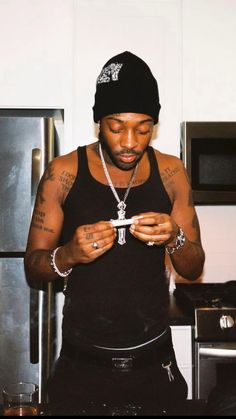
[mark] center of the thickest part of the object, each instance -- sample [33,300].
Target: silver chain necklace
[121,203]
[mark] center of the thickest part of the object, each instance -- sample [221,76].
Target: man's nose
[128,140]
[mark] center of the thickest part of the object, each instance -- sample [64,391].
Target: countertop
[187,408]
[177,314]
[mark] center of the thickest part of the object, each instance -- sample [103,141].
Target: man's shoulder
[165,160]
[63,170]
[65,161]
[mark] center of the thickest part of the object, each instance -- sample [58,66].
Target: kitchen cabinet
[182,336]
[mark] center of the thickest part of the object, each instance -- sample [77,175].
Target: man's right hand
[90,241]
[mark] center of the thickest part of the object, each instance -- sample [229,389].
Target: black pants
[134,381]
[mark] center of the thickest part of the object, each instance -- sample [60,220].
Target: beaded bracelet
[55,268]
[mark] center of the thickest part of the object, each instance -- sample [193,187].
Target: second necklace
[121,203]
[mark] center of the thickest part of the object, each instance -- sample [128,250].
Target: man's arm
[46,226]
[188,260]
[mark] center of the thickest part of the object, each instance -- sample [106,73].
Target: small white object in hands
[117,223]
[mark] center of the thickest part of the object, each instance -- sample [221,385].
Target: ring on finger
[150,243]
[95,245]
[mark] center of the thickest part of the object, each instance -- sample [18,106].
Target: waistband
[122,359]
[142,345]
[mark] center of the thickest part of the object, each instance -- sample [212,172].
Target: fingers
[148,234]
[101,233]
[93,240]
[152,227]
[151,218]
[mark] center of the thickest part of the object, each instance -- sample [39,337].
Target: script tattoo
[38,221]
[67,180]
[168,174]
[48,176]
[38,217]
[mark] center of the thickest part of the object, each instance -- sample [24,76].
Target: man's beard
[111,158]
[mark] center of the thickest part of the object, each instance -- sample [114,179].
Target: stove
[214,309]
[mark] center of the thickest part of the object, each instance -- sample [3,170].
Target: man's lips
[127,158]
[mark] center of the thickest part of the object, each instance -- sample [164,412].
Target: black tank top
[122,298]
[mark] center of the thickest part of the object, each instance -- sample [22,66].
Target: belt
[120,360]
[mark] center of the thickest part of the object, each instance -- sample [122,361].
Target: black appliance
[213,307]
[208,150]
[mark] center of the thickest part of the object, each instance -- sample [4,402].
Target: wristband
[55,268]
[179,242]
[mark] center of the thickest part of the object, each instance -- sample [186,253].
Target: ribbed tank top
[122,298]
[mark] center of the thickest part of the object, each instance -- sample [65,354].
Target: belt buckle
[122,364]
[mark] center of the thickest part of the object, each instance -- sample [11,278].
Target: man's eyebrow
[113,118]
[146,120]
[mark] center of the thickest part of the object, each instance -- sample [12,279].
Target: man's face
[125,137]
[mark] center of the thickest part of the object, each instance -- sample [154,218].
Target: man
[117,344]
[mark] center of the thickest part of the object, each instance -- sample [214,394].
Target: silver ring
[95,245]
[150,243]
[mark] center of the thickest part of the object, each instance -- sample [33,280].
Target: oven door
[214,363]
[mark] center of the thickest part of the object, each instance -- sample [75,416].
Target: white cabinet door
[182,341]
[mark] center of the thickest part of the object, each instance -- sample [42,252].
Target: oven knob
[226,322]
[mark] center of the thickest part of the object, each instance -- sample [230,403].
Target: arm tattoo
[40,227]
[38,221]
[48,176]
[38,216]
[168,174]
[67,180]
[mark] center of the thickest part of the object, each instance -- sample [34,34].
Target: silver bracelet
[179,242]
[55,268]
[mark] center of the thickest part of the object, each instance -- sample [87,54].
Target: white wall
[209,60]
[150,29]
[36,50]
[52,51]
[209,94]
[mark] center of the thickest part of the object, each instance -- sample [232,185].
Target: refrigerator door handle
[34,326]
[34,294]
[36,173]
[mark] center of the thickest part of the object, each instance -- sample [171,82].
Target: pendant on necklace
[121,216]
[121,204]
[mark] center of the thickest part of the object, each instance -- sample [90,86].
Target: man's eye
[144,132]
[115,131]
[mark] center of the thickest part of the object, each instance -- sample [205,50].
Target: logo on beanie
[109,73]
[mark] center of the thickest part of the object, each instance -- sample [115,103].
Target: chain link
[110,181]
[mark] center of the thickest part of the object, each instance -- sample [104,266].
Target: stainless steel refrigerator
[29,139]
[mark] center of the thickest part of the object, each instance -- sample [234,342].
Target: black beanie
[126,84]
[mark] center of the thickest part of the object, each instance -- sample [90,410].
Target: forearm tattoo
[39,259]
